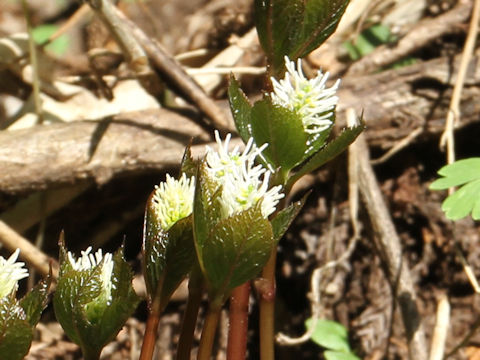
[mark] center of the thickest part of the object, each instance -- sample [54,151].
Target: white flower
[243,183]
[224,162]
[310,98]
[173,200]
[10,273]
[88,262]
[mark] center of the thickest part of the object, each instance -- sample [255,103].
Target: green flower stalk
[168,250]
[94,298]
[18,318]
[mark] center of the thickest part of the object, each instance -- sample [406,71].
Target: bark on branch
[394,102]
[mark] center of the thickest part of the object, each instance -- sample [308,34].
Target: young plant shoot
[18,317]
[94,298]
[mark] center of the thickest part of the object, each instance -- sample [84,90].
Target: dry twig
[390,251]
[316,280]
[420,35]
[453,115]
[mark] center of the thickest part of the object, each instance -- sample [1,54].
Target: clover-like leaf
[339,355]
[465,200]
[329,334]
[330,151]
[295,27]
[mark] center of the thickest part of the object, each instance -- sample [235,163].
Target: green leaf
[284,218]
[168,256]
[35,301]
[241,109]
[295,27]
[73,291]
[16,333]
[43,32]
[458,173]
[464,201]
[87,319]
[189,165]
[205,214]
[283,130]
[338,355]
[95,335]
[329,334]
[330,151]
[236,250]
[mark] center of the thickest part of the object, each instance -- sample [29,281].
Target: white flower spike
[10,273]
[89,261]
[243,183]
[173,200]
[310,98]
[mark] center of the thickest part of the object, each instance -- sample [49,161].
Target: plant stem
[150,336]
[195,291]
[267,309]
[151,328]
[209,329]
[90,354]
[238,323]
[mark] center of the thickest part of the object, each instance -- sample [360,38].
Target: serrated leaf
[458,173]
[205,214]
[87,319]
[283,219]
[236,250]
[168,255]
[35,301]
[329,334]
[295,27]
[464,201]
[189,165]
[95,335]
[338,355]
[73,291]
[15,331]
[283,130]
[330,151]
[241,109]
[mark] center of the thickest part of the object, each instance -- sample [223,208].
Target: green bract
[295,120]
[233,236]
[18,318]
[466,200]
[295,27]
[94,298]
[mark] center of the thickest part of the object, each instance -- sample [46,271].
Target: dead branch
[395,103]
[45,156]
[390,250]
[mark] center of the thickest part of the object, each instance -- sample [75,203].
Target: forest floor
[111,132]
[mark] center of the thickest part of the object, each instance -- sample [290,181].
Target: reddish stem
[238,319]
[267,309]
